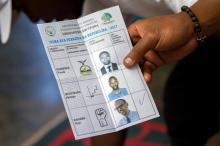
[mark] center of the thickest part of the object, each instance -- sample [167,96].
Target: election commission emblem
[107,18]
[50,31]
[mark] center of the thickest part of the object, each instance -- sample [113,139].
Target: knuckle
[151,36]
[137,53]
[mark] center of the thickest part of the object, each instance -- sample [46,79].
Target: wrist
[208,14]
[187,24]
[204,21]
[200,36]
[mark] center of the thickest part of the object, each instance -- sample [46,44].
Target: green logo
[106,17]
[50,31]
[85,69]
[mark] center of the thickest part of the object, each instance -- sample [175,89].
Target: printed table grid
[98,77]
[66,100]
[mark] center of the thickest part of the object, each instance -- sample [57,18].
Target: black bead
[197,29]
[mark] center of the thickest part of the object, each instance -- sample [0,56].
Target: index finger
[134,34]
[146,43]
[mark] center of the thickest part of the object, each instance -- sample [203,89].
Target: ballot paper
[99,93]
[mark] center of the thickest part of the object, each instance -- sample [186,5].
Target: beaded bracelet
[197,28]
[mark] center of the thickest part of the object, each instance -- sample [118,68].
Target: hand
[160,40]
[214,140]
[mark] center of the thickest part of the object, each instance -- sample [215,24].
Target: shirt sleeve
[121,122]
[176,5]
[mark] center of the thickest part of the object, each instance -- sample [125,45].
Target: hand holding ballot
[164,39]
[157,42]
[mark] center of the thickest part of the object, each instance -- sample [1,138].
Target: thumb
[137,53]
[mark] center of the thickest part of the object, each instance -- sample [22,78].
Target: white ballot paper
[100,95]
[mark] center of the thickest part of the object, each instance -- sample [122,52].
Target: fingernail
[147,78]
[129,61]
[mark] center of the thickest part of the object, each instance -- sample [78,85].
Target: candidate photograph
[108,66]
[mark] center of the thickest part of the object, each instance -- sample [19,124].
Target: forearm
[208,13]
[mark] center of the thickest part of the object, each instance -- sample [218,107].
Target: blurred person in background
[46,10]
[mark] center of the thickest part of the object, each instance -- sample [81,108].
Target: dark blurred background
[29,96]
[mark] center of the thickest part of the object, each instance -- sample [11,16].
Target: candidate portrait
[108,66]
[116,90]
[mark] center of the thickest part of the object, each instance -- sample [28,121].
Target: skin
[214,140]
[105,58]
[113,83]
[165,39]
[123,109]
